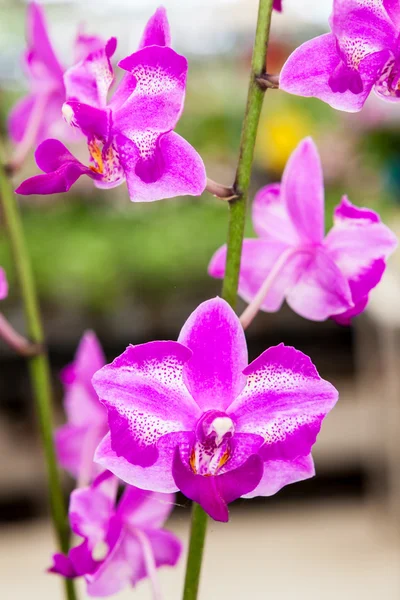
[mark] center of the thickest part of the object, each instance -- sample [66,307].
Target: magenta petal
[19,116]
[40,47]
[157,31]
[141,508]
[116,571]
[90,120]
[3,284]
[91,508]
[271,218]
[82,560]
[69,441]
[284,401]
[157,477]
[278,5]
[308,69]
[172,168]
[302,190]
[89,80]
[156,102]
[215,336]
[166,547]
[61,167]
[356,242]
[62,565]
[86,44]
[213,493]
[321,289]
[144,393]
[278,473]
[392,8]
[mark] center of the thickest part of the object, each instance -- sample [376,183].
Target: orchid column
[237,207]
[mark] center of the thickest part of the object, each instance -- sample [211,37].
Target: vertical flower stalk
[38,365]
[237,219]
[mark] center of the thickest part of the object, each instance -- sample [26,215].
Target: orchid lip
[212,448]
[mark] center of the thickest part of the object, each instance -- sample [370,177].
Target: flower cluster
[129,137]
[360,54]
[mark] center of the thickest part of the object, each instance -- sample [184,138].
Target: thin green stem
[195,555]
[235,241]
[238,206]
[38,365]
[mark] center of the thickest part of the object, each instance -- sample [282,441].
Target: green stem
[238,206]
[39,368]
[235,241]
[195,555]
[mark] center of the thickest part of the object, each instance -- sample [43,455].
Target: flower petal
[302,190]
[278,473]
[166,547]
[116,571]
[62,566]
[92,121]
[89,80]
[308,70]
[171,168]
[156,102]
[19,117]
[357,240]
[258,259]
[157,31]
[271,218]
[392,8]
[278,5]
[3,284]
[144,393]
[69,441]
[216,338]
[61,168]
[39,45]
[91,508]
[321,290]
[284,401]
[141,508]
[85,44]
[214,493]
[156,477]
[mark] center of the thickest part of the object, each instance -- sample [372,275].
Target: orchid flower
[320,277]
[130,138]
[3,284]
[278,5]
[87,420]
[123,542]
[38,115]
[193,416]
[361,53]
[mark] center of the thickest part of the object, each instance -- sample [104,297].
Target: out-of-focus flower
[39,114]
[123,542]
[320,277]
[193,415]
[77,440]
[132,137]
[278,5]
[361,53]
[3,284]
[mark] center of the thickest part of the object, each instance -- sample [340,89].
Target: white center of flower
[100,551]
[222,426]
[68,113]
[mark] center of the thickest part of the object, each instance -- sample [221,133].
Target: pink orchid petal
[85,44]
[90,508]
[3,284]
[321,289]
[284,401]
[278,5]
[215,336]
[157,31]
[156,477]
[116,571]
[92,121]
[308,70]
[62,565]
[302,190]
[146,398]
[271,218]
[39,44]
[166,547]
[19,117]
[89,80]
[392,8]
[144,508]
[172,168]
[278,473]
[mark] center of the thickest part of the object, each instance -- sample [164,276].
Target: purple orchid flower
[362,52]
[38,115]
[278,5]
[192,415]
[77,441]
[320,277]
[132,136]
[123,542]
